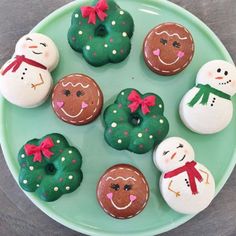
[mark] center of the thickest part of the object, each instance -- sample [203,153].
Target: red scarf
[18,61]
[192,172]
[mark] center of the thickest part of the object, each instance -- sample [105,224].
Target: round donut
[135,122]
[77,99]
[101,39]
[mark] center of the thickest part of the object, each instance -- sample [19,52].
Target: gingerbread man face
[172,153]
[77,99]
[122,191]
[168,48]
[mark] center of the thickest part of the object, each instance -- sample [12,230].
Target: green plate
[80,210]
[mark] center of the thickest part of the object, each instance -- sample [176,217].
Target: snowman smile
[182,158]
[37,53]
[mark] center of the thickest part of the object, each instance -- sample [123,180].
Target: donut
[122,191]
[77,99]
[168,48]
[135,122]
[102,33]
[50,167]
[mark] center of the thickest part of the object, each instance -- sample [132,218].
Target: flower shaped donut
[49,167]
[101,32]
[135,122]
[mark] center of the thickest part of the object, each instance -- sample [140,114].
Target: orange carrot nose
[219,78]
[173,155]
[33,46]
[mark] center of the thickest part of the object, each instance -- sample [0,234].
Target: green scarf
[204,92]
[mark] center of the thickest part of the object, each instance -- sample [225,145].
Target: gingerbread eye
[163,41]
[176,44]
[67,92]
[127,187]
[116,187]
[79,93]
[180,146]
[165,152]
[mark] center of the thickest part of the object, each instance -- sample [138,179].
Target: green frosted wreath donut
[135,122]
[101,32]
[49,167]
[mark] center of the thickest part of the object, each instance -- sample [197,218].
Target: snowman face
[172,153]
[220,75]
[40,48]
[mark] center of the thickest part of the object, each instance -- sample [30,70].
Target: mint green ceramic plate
[80,210]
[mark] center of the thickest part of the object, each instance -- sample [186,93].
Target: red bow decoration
[37,151]
[145,103]
[192,172]
[91,12]
[18,61]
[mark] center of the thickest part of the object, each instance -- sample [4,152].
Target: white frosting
[29,86]
[217,113]
[176,190]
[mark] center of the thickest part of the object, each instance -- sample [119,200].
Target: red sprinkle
[146,129]
[111,40]
[61,179]
[140,145]
[126,133]
[74,161]
[120,105]
[73,38]
[94,54]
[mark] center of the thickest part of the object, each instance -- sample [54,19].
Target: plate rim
[83,228]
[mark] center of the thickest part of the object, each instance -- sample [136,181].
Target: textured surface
[18,215]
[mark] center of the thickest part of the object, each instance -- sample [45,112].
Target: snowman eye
[43,44]
[180,146]
[116,187]
[226,73]
[29,39]
[218,70]
[165,152]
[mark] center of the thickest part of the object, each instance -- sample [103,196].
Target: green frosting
[54,176]
[103,42]
[135,131]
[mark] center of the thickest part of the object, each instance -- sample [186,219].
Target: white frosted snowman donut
[187,186]
[25,79]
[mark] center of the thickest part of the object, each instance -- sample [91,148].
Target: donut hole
[101,31]
[50,169]
[135,120]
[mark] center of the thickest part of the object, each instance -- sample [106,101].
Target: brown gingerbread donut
[168,48]
[122,191]
[77,99]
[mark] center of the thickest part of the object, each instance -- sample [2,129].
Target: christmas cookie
[102,32]
[135,122]
[50,167]
[25,80]
[207,108]
[77,99]
[187,186]
[122,191]
[168,48]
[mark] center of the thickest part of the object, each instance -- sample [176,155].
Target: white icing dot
[124,34]
[150,136]
[37,185]
[114,52]
[70,152]
[76,15]
[67,188]
[56,189]
[88,47]
[105,45]
[113,125]
[119,141]
[63,159]
[31,168]
[25,181]
[113,22]
[122,93]
[80,32]
[160,106]
[121,12]
[161,121]
[140,135]
[115,111]
[58,141]
[70,177]
[23,156]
